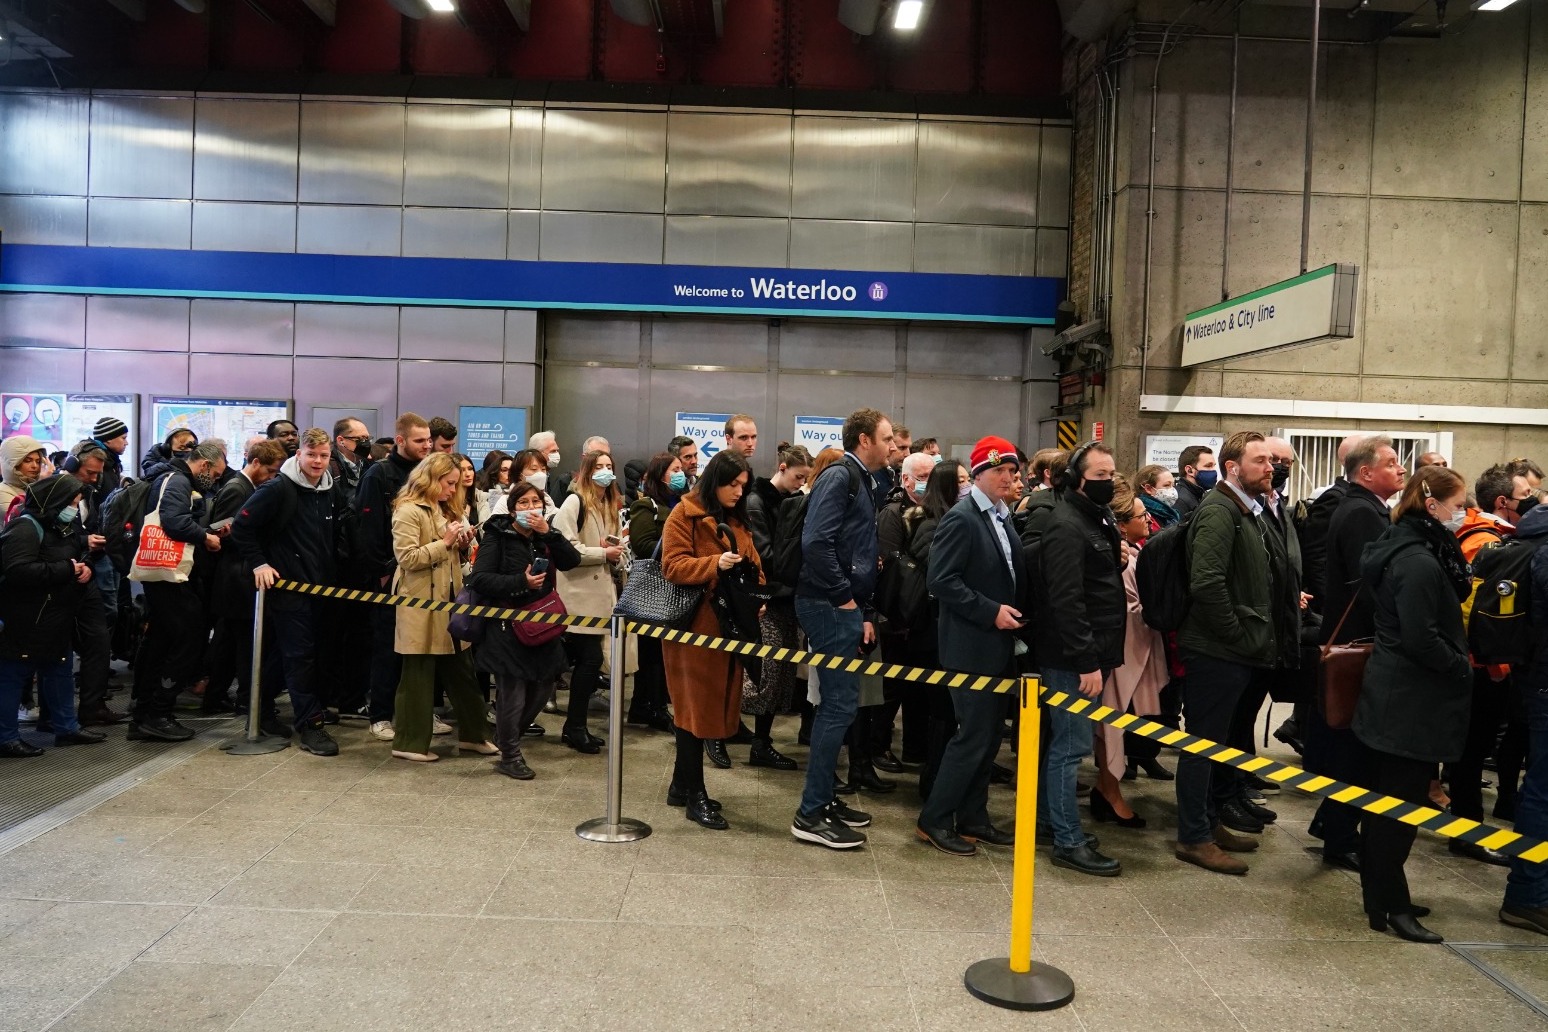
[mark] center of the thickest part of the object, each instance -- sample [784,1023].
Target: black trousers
[1230,782]
[1339,755]
[940,726]
[386,664]
[650,693]
[1386,844]
[1483,726]
[231,651]
[585,652]
[173,647]
[94,646]
[959,795]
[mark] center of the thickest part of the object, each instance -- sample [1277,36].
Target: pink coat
[1139,681]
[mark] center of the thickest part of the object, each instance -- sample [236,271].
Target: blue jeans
[1527,885]
[1068,742]
[56,691]
[107,585]
[832,632]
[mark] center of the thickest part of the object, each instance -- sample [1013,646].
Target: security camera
[1074,335]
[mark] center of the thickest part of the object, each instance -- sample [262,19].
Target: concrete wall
[1431,174]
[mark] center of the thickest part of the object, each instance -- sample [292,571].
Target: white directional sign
[1314,306]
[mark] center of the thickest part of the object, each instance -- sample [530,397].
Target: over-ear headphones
[1073,466]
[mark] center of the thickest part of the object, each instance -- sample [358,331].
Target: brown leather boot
[1233,843]
[1210,857]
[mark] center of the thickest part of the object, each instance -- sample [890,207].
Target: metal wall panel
[346,229]
[351,153]
[457,156]
[978,172]
[579,402]
[1053,194]
[521,384]
[246,150]
[721,240]
[239,226]
[586,338]
[965,351]
[44,143]
[526,162]
[137,323]
[962,411]
[728,164]
[521,335]
[523,229]
[604,161]
[43,220]
[815,394]
[976,250]
[854,168]
[42,320]
[136,372]
[240,376]
[672,392]
[42,369]
[134,222]
[707,341]
[585,236]
[142,146]
[1053,252]
[475,334]
[453,233]
[349,381]
[437,388]
[862,347]
[242,327]
[351,331]
[880,246]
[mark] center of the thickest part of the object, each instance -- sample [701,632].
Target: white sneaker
[439,726]
[382,729]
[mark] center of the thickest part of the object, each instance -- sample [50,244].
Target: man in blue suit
[978,577]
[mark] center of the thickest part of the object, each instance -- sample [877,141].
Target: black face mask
[1281,477]
[1099,492]
[1526,505]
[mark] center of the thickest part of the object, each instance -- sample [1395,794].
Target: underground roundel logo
[877,291]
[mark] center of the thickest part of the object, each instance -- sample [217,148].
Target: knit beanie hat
[109,427]
[991,452]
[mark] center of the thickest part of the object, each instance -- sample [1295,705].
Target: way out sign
[1316,306]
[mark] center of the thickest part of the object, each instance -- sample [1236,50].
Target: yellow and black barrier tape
[1427,817]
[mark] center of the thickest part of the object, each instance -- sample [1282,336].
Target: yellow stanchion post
[1017,982]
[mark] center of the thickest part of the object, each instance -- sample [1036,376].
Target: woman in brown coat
[705,685]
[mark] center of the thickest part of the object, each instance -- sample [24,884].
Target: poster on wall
[482,429]
[232,420]
[61,420]
[708,429]
[815,433]
[1163,449]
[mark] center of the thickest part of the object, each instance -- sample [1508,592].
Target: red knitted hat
[991,452]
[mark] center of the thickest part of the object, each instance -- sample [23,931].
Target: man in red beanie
[979,578]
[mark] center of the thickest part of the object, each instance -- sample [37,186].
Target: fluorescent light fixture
[909,12]
[441,5]
[1493,5]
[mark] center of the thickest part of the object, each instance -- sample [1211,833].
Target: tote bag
[159,559]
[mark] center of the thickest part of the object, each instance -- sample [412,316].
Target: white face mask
[553,460]
[538,480]
[1168,495]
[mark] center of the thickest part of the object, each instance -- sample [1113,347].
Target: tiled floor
[283,892]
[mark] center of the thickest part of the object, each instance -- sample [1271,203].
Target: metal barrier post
[1017,982]
[255,742]
[615,827]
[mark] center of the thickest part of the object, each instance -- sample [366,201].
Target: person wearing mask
[176,631]
[494,478]
[1079,638]
[560,486]
[428,535]
[531,467]
[1196,475]
[1158,493]
[93,624]
[894,532]
[742,436]
[46,587]
[223,470]
[547,445]
[350,456]
[1038,506]
[775,688]
[662,484]
[231,649]
[1414,698]
[285,432]
[1238,573]
[443,435]
[110,434]
[159,458]
[588,519]
[686,451]
[705,685]
[21,466]
[290,528]
[1372,474]
[926,446]
[838,575]
[1526,888]
[517,536]
[978,578]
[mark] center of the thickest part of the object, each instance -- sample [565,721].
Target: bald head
[919,465]
[1347,445]
[1432,458]
[1280,450]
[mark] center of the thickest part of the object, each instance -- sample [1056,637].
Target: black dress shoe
[1291,736]
[101,716]
[715,749]
[81,737]
[1258,812]
[516,768]
[842,787]
[1482,854]
[988,834]
[1087,861]
[661,721]
[764,755]
[158,729]
[1345,861]
[1103,811]
[887,763]
[999,774]
[578,739]
[1155,771]
[1234,816]
[214,705]
[19,750]
[677,797]
[533,731]
[702,813]
[946,840]
[1406,926]
[865,779]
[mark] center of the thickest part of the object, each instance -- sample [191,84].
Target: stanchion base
[262,746]
[1042,988]
[626,830]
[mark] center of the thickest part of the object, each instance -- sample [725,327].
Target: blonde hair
[604,503]
[1122,504]
[424,488]
[316,437]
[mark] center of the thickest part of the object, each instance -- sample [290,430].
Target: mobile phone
[540,565]
[613,539]
[220,525]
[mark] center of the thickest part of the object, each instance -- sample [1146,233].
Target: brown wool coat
[426,569]
[705,685]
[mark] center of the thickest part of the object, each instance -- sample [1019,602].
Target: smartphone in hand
[540,565]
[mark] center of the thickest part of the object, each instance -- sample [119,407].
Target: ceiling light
[1493,5]
[441,5]
[909,12]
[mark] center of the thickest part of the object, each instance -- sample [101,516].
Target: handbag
[464,626]
[533,634]
[738,600]
[649,597]
[1341,674]
[159,559]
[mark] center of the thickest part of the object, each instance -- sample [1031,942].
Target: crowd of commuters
[1002,565]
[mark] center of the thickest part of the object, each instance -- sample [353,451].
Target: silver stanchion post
[615,827]
[255,742]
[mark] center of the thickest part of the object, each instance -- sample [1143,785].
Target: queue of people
[1021,566]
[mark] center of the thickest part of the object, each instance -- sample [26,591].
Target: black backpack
[1162,577]
[123,517]
[1498,612]
[784,567]
[902,590]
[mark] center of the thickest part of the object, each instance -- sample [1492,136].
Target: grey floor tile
[109,834]
[1124,965]
[952,1009]
[379,808]
[386,942]
[917,861]
[1150,1013]
[152,997]
[521,948]
[340,843]
[1355,1013]
[456,847]
[92,933]
[936,959]
[510,812]
[145,801]
[272,805]
[559,895]
[458,889]
[566,851]
[277,885]
[33,871]
[224,839]
[799,960]
[313,1000]
[40,989]
[859,1008]
[921,906]
[14,913]
[161,879]
[214,935]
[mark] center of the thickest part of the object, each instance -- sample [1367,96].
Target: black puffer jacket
[41,597]
[500,578]
[1082,610]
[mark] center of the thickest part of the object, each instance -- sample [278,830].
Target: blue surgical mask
[523,517]
[1207,478]
[678,482]
[603,478]
[939,458]
[919,488]
[68,515]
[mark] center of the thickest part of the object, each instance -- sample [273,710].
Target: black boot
[862,774]
[702,813]
[715,748]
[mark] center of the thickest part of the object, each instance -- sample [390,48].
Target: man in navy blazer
[978,576]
